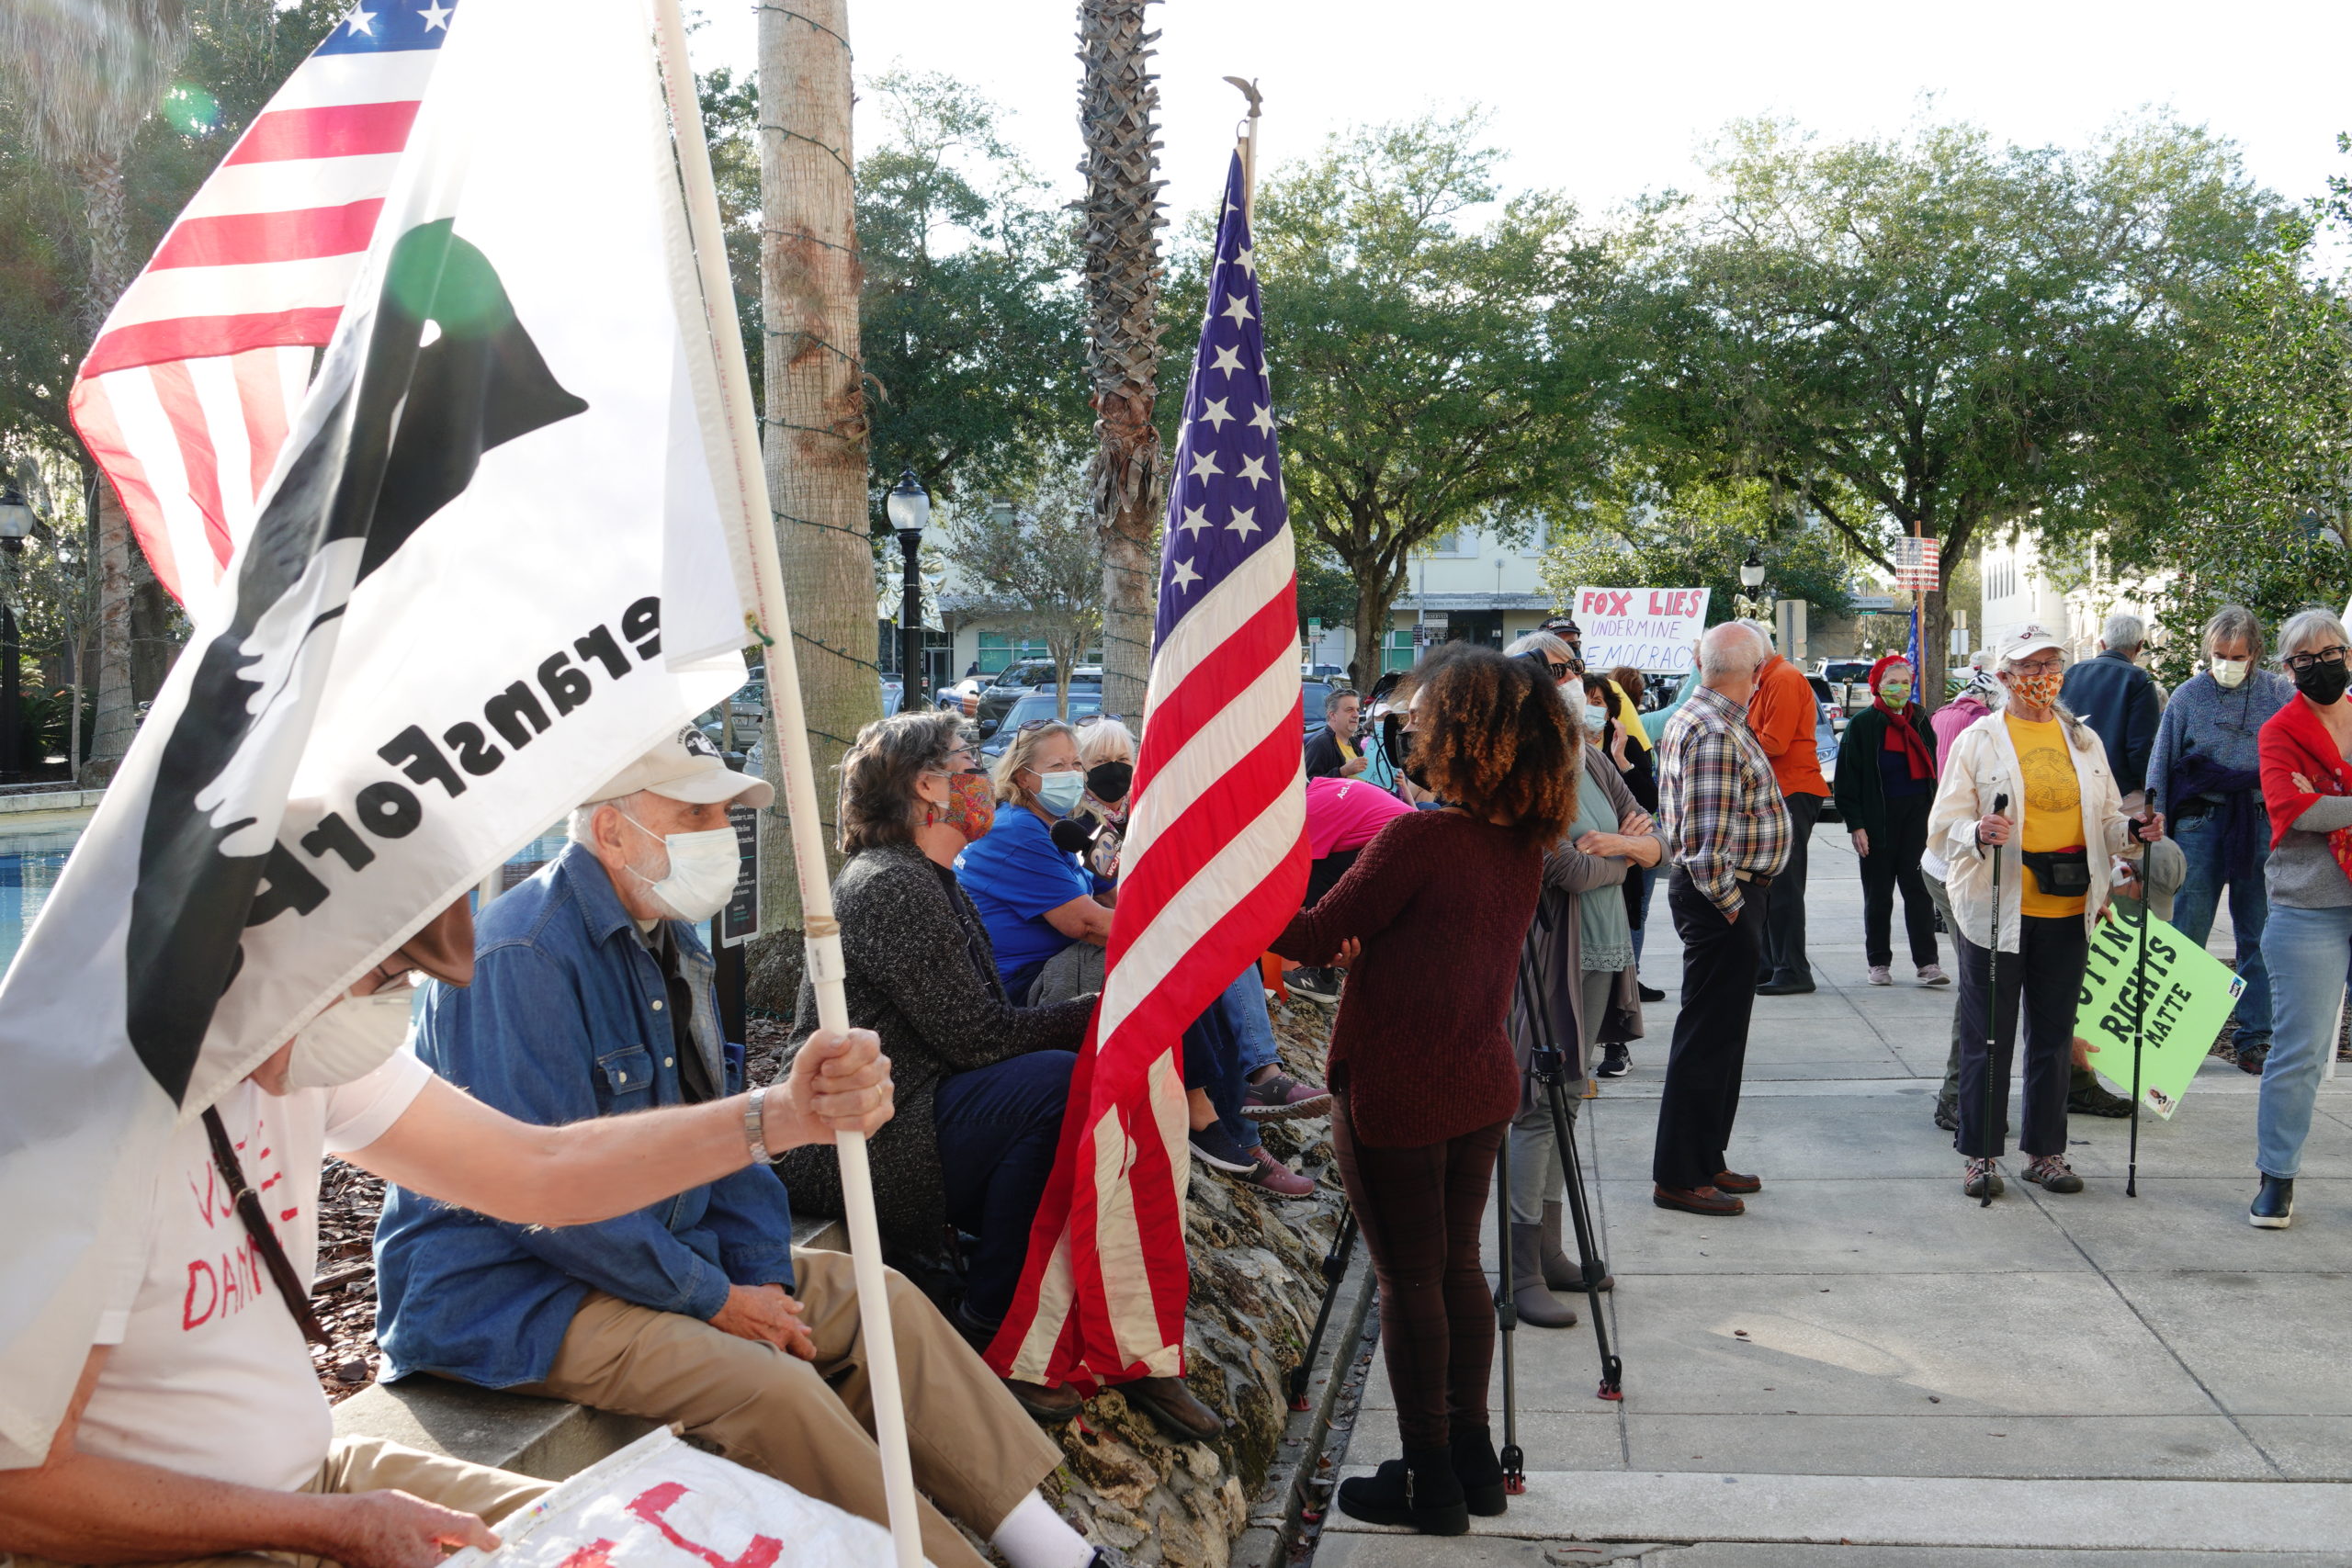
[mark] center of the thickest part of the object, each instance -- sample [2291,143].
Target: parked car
[891,692]
[1039,702]
[1025,676]
[1849,680]
[1828,718]
[751,700]
[963,695]
[1337,673]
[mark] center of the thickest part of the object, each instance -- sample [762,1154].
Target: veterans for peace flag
[496,554]
[1215,864]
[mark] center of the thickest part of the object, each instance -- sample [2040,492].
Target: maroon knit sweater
[1441,902]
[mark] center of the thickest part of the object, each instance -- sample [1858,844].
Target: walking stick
[1550,1069]
[1335,1268]
[1992,1003]
[1506,1317]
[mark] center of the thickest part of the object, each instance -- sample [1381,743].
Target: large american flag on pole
[186,398]
[1213,865]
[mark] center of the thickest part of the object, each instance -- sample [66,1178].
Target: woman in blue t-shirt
[1034,899]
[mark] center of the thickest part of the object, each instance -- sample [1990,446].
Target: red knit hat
[1878,671]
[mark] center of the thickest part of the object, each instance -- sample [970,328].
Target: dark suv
[1024,676]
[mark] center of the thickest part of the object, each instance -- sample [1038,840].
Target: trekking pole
[1335,1268]
[2138,1033]
[1507,1317]
[1550,1069]
[1993,1008]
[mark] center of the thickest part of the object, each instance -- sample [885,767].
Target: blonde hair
[1105,741]
[1017,753]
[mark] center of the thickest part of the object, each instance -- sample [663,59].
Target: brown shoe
[1697,1201]
[1732,1181]
[1176,1407]
[1048,1406]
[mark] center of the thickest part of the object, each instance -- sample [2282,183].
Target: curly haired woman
[1422,1074]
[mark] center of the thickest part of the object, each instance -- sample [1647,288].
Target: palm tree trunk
[815,438]
[1118,108]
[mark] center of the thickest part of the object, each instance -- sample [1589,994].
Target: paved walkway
[2085,1373]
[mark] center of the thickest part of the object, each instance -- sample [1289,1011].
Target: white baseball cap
[2032,639]
[686,767]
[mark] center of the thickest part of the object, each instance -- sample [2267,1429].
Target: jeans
[998,1127]
[1782,936]
[2043,979]
[2200,895]
[1244,1003]
[2307,950]
[1709,1050]
[1894,862]
[1650,877]
[1213,1062]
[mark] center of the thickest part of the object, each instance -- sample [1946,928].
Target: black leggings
[1893,862]
[1422,1211]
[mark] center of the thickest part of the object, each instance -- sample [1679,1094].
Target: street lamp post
[16,528]
[909,506]
[1753,605]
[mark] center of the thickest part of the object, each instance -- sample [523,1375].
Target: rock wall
[1257,1281]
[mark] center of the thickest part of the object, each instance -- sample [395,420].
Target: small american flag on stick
[1916,564]
[1215,865]
[186,396]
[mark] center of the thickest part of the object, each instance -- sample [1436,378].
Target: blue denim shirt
[565,1021]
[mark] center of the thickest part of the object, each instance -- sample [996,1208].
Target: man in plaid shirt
[1727,833]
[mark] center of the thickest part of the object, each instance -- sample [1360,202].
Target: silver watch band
[755,1126]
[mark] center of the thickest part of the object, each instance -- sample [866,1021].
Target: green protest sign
[2188,993]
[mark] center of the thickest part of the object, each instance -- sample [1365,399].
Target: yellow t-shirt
[2053,806]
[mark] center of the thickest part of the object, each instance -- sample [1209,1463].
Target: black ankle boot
[1419,1490]
[1480,1471]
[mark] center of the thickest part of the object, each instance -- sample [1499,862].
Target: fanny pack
[2062,873]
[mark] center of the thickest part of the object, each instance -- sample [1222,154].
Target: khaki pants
[371,1464]
[976,1452]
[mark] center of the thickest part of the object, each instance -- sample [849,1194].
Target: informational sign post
[739,921]
[2187,994]
[1655,630]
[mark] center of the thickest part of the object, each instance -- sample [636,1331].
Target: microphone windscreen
[1072,838]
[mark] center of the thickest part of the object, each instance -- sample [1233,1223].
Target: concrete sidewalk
[1864,1319]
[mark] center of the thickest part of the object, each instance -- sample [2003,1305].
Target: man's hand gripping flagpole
[799,784]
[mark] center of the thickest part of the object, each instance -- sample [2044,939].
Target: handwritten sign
[1653,629]
[2187,994]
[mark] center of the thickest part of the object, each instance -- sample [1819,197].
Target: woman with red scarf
[1886,781]
[2307,787]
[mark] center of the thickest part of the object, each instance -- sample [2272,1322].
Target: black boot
[1419,1490]
[1480,1471]
[2273,1206]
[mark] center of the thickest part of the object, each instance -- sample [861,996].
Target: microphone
[1075,838]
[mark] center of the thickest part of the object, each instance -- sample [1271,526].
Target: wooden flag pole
[1247,141]
[773,627]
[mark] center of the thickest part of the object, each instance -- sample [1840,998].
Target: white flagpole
[798,781]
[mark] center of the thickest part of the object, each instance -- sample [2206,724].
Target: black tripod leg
[1506,1317]
[1335,1268]
[2139,1038]
[1612,1371]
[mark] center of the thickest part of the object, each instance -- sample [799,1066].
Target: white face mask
[349,1040]
[702,867]
[1595,716]
[2231,671]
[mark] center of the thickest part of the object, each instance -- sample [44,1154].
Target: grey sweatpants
[1537,1176]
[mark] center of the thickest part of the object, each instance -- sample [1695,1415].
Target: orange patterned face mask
[971,804]
[2037,690]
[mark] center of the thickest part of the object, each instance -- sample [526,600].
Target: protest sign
[661,1502]
[1653,629]
[2188,993]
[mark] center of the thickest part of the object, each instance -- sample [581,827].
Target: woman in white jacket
[2061,825]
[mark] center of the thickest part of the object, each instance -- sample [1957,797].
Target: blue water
[31,858]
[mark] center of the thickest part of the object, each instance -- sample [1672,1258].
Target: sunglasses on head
[1079,723]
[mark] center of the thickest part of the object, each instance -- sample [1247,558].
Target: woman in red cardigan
[1421,1069]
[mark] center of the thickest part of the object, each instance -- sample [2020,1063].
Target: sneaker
[1933,975]
[1881,974]
[1269,1175]
[2251,1057]
[2273,1206]
[2052,1173]
[1615,1060]
[2095,1100]
[1281,1097]
[1316,985]
[1948,1114]
[1981,1173]
[1649,993]
[1214,1147]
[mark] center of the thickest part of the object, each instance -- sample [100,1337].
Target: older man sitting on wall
[593,999]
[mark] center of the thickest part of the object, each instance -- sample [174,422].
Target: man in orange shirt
[1783,715]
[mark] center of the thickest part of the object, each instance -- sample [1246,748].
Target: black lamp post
[16,528]
[909,507]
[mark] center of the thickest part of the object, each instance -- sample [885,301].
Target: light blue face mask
[1060,792]
[1595,716]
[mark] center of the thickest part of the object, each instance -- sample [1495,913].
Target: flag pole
[1247,145]
[773,627]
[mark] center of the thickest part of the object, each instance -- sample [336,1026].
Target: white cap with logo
[2032,639]
[687,767]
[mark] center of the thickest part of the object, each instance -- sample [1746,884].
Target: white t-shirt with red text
[210,1375]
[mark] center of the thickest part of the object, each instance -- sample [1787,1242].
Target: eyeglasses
[2040,667]
[2301,661]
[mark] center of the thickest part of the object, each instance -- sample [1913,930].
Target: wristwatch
[755,1127]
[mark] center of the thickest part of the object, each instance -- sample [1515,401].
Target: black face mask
[2324,682]
[1109,782]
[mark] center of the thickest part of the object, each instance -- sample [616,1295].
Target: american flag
[1916,564]
[1215,864]
[186,396]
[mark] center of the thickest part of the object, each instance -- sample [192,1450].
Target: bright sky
[1605,101]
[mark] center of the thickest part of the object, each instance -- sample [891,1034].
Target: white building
[2020,590]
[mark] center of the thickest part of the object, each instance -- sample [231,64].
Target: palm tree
[82,75]
[1118,105]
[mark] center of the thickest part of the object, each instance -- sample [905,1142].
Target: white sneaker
[1933,975]
[1880,976]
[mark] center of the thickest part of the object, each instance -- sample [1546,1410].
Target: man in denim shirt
[593,996]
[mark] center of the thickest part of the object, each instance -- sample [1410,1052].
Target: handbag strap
[256,1223]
